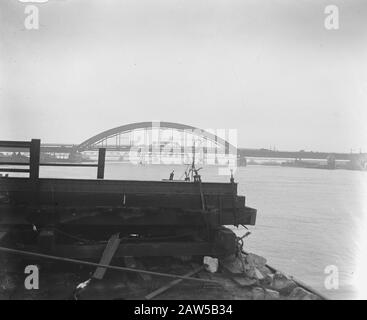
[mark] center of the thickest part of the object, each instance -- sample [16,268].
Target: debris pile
[245,277]
[252,271]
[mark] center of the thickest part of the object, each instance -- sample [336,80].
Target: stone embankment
[265,282]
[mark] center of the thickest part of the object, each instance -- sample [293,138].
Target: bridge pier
[241,161]
[331,163]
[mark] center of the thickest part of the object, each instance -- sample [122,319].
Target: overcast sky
[267,68]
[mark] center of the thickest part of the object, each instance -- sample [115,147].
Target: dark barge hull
[61,219]
[153,217]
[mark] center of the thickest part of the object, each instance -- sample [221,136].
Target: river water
[310,222]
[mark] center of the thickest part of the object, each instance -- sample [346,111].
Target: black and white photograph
[183,154]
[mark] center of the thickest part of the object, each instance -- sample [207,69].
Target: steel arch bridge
[111,139]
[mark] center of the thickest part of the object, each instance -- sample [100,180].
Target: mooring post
[101,163]
[34,159]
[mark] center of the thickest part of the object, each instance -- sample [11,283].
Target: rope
[87,263]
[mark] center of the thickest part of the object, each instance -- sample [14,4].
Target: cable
[69,260]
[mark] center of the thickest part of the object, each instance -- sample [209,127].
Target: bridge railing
[34,147]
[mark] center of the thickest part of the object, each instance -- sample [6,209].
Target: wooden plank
[15,144]
[81,202]
[66,164]
[164,217]
[123,217]
[108,253]
[118,186]
[169,285]
[13,170]
[119,199]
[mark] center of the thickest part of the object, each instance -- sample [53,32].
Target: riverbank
[245,277]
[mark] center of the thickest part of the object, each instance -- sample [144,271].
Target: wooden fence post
[34,159]
[101,163]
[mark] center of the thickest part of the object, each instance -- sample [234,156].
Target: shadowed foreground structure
[157,229]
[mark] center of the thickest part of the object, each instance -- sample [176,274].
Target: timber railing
[34,147]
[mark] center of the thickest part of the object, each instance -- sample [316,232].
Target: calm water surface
[308,219]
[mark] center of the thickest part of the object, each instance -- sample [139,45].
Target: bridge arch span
[98,138]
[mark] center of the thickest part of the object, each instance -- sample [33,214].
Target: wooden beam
[124,217]
[80,198]
[169,285]
[92,186]
[15,144]
[13,170]
[108,253]
[65,164]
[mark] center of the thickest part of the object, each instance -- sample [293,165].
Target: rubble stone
[299,293]
[282,284]
[259,293]
[255,260]
[234,264]
[243,281]
[267,279]
[265,270]
[271,294]
[211,264]
[258,274]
